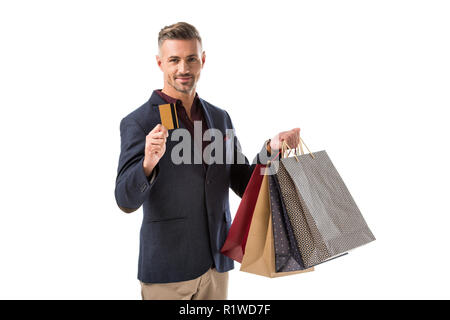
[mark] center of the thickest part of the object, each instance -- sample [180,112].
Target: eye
[173,60]
[192,59]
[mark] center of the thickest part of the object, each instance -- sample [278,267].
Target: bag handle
[285,147]
[301,148]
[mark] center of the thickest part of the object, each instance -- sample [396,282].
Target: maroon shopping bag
[234,246]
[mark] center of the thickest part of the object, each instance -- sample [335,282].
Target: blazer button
[208,181]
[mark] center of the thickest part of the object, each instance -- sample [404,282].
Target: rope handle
[285,147]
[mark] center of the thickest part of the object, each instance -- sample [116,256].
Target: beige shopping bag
[259,257]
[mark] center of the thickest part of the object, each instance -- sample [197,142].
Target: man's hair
[178,31]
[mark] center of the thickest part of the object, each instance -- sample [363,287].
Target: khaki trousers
[212,285]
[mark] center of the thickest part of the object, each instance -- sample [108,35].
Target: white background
[367,81]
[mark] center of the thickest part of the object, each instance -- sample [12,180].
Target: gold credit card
[168,114]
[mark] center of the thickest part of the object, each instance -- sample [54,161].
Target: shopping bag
[311,246]
[311,183]
[235,242]
[287,254]
[259,256]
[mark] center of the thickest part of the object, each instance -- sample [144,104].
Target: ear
[203,58]
[159,62]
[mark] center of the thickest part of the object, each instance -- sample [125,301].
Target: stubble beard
[183,89]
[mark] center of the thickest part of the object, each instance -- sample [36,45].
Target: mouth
[183,79]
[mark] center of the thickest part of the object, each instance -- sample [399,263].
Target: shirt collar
[170,99]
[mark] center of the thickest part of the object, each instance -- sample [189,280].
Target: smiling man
[186,206]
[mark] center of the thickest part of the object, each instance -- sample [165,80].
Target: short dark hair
[178,31]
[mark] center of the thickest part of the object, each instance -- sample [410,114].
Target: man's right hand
[155,146]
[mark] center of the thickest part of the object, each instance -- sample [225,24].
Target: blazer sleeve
[241,170]
[132,185]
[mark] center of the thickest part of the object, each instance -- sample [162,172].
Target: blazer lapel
[210,125]
[207,113]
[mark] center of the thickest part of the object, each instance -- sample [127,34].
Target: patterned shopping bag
[287,254]
[259,256]
[324,217]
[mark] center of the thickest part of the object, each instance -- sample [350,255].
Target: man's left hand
[292,138]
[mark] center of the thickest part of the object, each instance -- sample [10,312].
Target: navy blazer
[186,207]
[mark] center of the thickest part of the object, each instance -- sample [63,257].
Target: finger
[164,130]
[291,141]
[157,145]
[295,139]
[161,141]
[156,150]
[152,146]
[157,139]
[159,134]
[164,134]
[151,138]
[288,140]
[297,135]
[158,142]
[157,128]
[281,139]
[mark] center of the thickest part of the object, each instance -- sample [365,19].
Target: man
[186,208]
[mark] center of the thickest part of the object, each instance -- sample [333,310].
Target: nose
[183,67]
